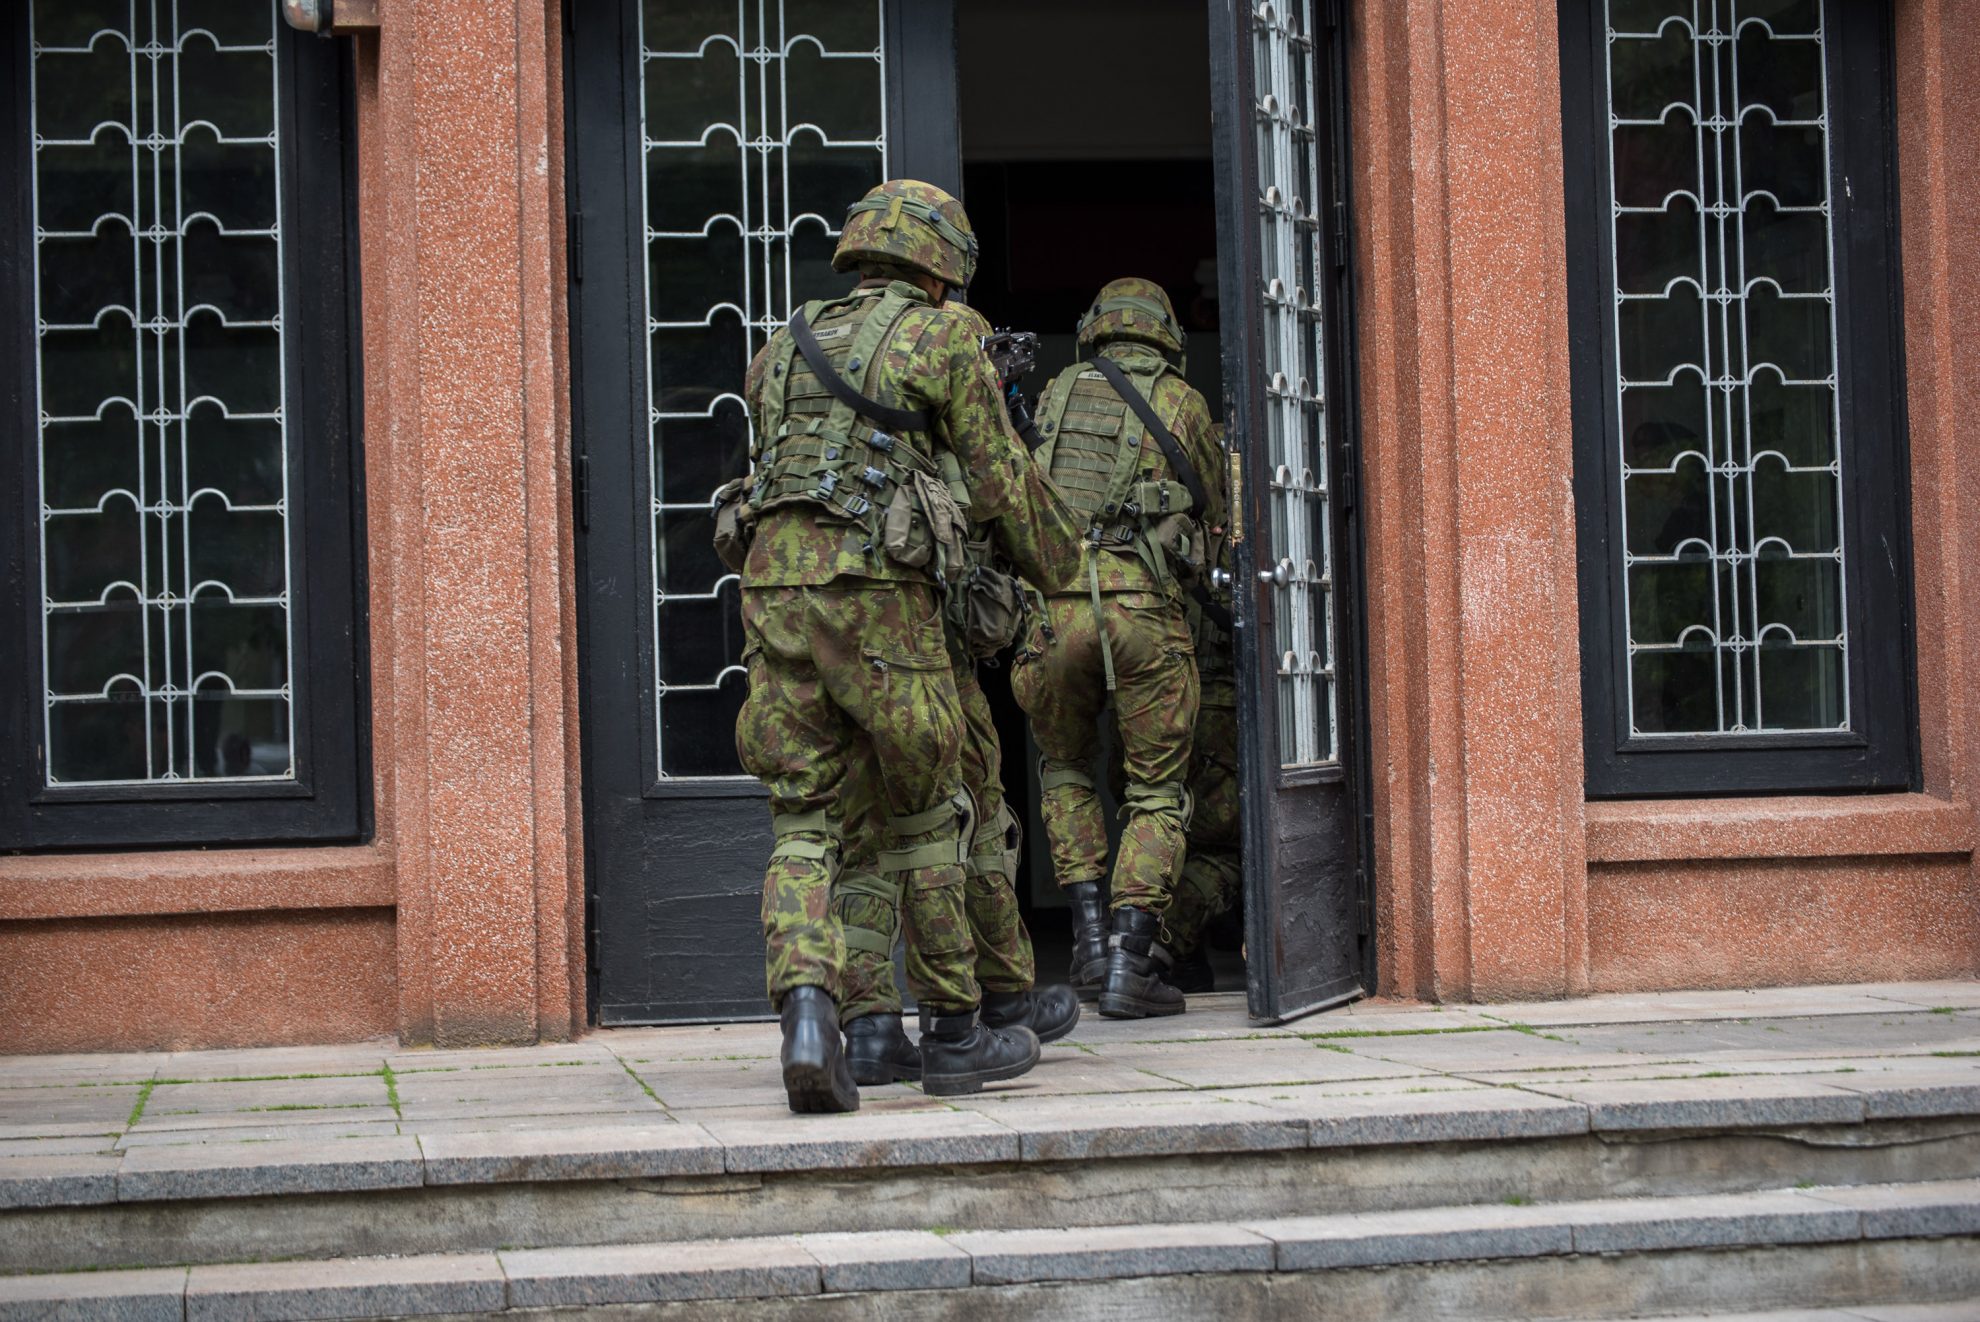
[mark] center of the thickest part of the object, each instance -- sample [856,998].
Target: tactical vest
[1094,452]
[817,449]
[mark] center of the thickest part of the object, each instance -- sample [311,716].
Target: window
[1739,426]
[176,320]
[760,125]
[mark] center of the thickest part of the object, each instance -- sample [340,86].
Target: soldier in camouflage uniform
[1212,873]
[1120,632]
[876,419]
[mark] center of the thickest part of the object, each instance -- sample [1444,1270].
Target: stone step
[1828,1247]
[996,1164]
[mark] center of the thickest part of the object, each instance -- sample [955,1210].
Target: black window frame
[330,798]
[1881,754]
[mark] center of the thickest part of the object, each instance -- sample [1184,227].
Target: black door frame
[1273,909]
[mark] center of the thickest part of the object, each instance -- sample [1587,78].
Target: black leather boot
[1089,920]
[1135,964]
[959,1055]
[1050,1012]
[816,1076]
[1192,972]
[880,1051]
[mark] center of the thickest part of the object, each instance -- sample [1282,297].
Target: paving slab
[709,1042]
[1961,993]
[549,1055]
[350,1287]
[1439,1234]
[653,1273]
[1495,1049]
[314,1128]
[868,1137]
[240,1170]
[40,1109]
[1894,1033]
[888,1260]
[1737,1003]
[1346,1115]
[619,1153]
[151,1295]
[1705,1103]
[1915,1089]
[748,1082]
[73,1180]
[1393,1016]
[1095,1253]
[260,1062]
[1211,1017]
[1065,1071]
[57,1147]
[79,1067]
[1964,1310]
[1639,1225]
[62,1129]
[1141,1125]
[1249,1063]
[1904,1211]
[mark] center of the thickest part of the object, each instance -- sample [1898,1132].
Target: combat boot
[1192,972]
[1134,988]
[816,1075]
[959,1055]
[880,1051]
[1089,957]
[1050,1012]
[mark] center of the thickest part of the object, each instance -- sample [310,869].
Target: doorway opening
[1086,156]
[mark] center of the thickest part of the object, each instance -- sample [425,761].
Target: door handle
[1277,576]
[1221,580]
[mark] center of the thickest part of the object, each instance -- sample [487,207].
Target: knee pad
[997,853]
[955,820]
[875,940]
[1169,799]
[789,826]
[1051,777]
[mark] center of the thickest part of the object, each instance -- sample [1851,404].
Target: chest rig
[862,462]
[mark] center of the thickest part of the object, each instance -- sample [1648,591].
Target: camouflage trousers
[851,683]
[1060,681]
[1212,875]
[868,905]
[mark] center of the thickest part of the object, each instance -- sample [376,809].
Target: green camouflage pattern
[1122,311]
[850,682]
[935,361]
[1004,961]
[1213,873]
[1059,681]
[892,227]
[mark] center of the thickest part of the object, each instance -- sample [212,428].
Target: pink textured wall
[179,983]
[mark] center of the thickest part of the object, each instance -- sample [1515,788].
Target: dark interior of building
[1086,157]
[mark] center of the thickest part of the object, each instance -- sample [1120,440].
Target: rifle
[1014,353]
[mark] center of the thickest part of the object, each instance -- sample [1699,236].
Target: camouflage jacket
[1182,406]
[934,361]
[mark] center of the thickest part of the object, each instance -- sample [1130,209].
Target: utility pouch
[987,608]
[1181,543]
[735,523]
[922,519]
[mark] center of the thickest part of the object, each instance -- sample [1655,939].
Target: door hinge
[1332,18]
[581,491]
[1361,902]
[1340,236]
[1350,481]
[574,249]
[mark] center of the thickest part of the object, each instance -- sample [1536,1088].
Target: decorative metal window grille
[761,120]
[1723,280]
[1291,272]
[160,393]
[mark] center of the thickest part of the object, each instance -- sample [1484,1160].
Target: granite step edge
[990,1133]
[810,1264]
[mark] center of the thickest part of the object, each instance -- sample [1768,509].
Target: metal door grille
[1291,271]
[162,454]
[761,120]
[1722,276]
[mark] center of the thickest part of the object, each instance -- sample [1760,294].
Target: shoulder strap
[1171,448]
[884,414]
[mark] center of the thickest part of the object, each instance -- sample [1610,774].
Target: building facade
[1597,373]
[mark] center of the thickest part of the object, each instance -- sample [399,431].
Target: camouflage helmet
[1131,308]
[905,222]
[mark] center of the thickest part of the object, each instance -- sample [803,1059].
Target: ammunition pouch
[986,608]
[735,523]
[923,525]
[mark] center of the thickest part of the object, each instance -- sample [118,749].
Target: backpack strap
[885,414]
[1171,448]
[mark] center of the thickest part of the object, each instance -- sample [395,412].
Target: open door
[1281,228]
[714,148]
